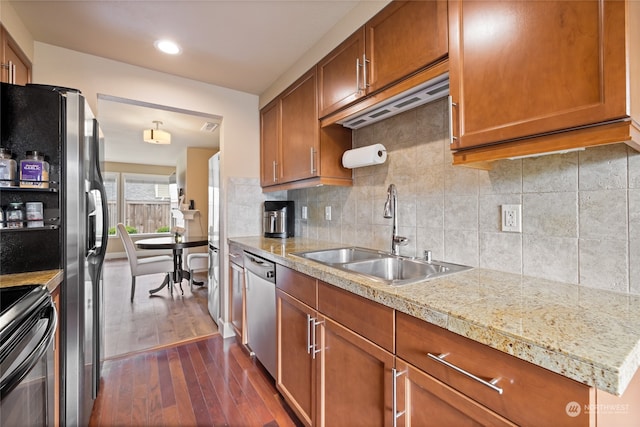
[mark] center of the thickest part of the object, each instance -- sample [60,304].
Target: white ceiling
[242,45]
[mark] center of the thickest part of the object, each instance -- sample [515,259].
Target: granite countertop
[589,335]
[50,278]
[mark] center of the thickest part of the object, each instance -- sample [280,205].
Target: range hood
[428,91]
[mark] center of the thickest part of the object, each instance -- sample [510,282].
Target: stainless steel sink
[382,266]
[403,271]
[342,255]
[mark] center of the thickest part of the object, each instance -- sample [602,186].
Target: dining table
[177,244]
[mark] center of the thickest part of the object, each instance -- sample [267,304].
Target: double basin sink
[391,269]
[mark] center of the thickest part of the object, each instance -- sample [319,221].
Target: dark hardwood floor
[207,382]
[166,365]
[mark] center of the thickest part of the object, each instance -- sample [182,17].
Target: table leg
[164,283]
[178,260]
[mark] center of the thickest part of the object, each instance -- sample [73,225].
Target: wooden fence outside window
[144,216]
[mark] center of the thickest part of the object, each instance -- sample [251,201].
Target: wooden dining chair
[143,266]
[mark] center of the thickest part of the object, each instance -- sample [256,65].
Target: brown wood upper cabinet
[524,74]
[295,152]
[401,39]
[15,67]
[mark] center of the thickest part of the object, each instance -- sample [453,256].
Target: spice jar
[35,214]
[15,215]
[7,168]
[34,171]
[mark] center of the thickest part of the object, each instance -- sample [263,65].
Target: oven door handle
[21,371]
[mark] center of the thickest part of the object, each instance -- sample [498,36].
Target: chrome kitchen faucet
[391,211]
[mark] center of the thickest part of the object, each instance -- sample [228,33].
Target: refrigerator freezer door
[214,292]
[84,236]
[214,284]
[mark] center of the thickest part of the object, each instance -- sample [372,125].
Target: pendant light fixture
[156,136]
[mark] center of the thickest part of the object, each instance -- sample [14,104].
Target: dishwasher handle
[260,267]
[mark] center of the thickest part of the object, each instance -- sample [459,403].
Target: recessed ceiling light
[167,46]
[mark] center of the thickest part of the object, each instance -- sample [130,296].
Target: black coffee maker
[278,219]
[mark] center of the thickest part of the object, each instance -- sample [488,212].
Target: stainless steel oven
[28,322]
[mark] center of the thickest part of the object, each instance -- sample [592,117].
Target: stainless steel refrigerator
[214,299]
[58,123]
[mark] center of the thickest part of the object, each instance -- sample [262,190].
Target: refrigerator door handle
[97,184]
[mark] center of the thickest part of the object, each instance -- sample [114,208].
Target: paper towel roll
[374,154]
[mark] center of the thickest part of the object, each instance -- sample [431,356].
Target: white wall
[239,132]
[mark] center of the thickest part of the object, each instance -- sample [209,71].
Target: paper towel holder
[371,155]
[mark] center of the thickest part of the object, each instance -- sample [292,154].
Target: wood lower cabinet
[296,366]
[15,67]
[354,385]
[425,401]
[329,375]
[525,69]
[344,360]
[523,393]
[401,39]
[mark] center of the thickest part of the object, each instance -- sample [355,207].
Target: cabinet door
[15,67]
[340,74]
[236,293]
[295,377]
[524,68]
[270,144]
[300,128]
[355,377]
[426,401]
[403,38]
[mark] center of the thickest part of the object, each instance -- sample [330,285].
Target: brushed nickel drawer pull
[357,75]
[491,383]
[364,71]
[313,160]
[309,345]
[452,104]
[394,396]
[314,343]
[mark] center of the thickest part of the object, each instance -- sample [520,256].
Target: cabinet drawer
[368,318]
[530,395]
[297,284]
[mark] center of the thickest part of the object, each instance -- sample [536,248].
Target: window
[147,204]
[111,187]
[142,202]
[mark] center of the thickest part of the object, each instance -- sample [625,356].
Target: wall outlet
[512,218]
[305,213]
[327,213]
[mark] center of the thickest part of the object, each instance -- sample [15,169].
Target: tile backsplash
[580,210]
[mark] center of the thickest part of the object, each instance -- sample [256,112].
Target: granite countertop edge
[610,374]
[49,278]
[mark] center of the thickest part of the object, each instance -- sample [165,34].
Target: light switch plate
[512,218]
[305,214]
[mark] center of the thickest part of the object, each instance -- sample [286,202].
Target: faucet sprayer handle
[402,241]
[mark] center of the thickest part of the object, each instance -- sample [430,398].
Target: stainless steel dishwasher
[261,309]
